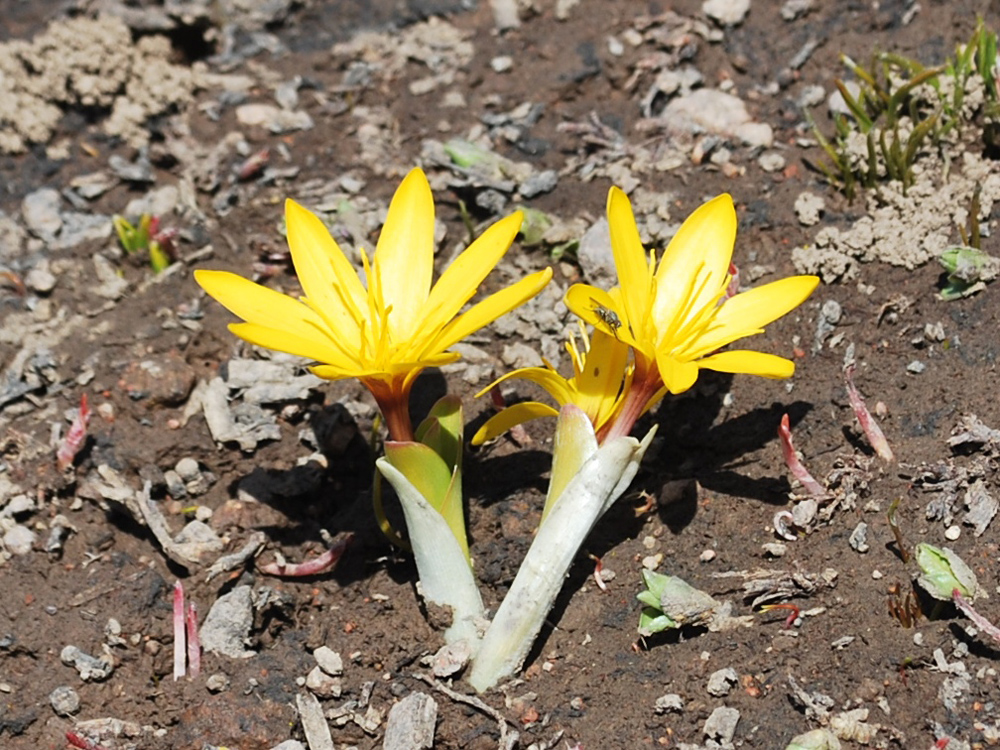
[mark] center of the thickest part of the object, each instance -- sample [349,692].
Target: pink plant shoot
[193,641]
[313,567]
[965,606]
[75,438]
[795,466]
[868,424]
[179,631]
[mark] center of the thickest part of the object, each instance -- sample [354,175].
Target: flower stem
[645,385]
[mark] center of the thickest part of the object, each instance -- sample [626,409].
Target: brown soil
[716,472]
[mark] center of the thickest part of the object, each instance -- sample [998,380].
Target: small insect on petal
[608,317]
[75,438]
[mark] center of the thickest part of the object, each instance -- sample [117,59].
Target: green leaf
[438,483]
[653,621]
[441,430]
[942,571]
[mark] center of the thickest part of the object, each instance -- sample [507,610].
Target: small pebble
[329,661]
[771,161]
[774,549]
[952,533]
[918,639]
[502,63]
[722,681]
[707,556]
[916,367]
[652,562]
[876,574]
[64,700]
[669,702]
[217,682]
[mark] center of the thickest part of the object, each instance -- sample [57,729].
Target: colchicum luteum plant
[651,335]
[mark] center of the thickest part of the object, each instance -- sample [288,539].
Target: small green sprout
[943,572]
[968,271]
[672,603]
[146,238]
[896,107]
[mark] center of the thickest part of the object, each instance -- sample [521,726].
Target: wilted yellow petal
[513,415]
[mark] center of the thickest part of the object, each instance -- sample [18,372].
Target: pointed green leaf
[434,480]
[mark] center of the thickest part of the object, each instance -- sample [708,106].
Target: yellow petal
[698,255]
[750,363]
[499,423]
[462,278]
[269,309]
[404,256]
[677,376]
[630,257]
[283,340]
[748,312]
[601,381]
[585,301]
[489,309]
[329,280]
[553,383]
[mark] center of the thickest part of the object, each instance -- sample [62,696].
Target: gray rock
[19,540]
[718,113]
[721,725]
[40,279]
[314,724]
[329,661]
[538,183]
[726,12]
[78,228]
[89,667]
[410,725]
[722,681]
[595,256]
[519,354]
[40,211]
[64,700]
[228,624]
[322,684]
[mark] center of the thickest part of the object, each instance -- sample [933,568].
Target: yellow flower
[601,377]
[385,333]
[675,313]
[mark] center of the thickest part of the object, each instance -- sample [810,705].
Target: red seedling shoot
[193,642]
[793,614]
[313,567]
[75,438]
[868,424]
[598,567]
[795,466]
[82,742]
[981,622]
[179,631]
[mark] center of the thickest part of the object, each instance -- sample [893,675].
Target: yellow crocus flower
[388,330]
[674,313]
[602,375]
